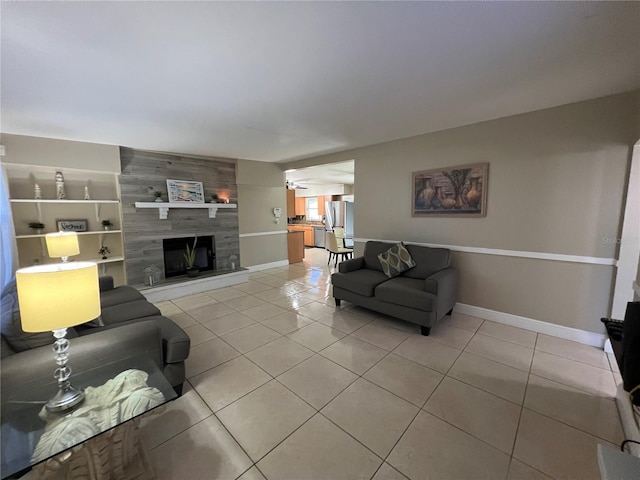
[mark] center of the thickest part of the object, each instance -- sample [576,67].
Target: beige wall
[260,189]
[51,152]
[556,185]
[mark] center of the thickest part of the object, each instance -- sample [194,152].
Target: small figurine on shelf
[214,198]
[60,195]
[103,251]
[107,224]
[37,226]
[158,196]
[86,193]
[37,193]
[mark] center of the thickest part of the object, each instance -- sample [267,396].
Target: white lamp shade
[58,296]
[62,244]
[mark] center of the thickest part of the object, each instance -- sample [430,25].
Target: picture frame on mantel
[185,191]
[459,191]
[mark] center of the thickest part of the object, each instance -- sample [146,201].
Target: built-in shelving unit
[164,207]
[104,204]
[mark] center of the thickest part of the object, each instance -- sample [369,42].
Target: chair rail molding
[558,257]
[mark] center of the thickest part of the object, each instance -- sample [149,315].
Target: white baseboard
[568,333]
[267,266]
[197,285]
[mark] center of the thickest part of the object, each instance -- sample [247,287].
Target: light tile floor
[284,385]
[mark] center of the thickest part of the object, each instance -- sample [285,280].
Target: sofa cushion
[362,282]
[428,261]
[128,311]
[175,342]
[396,260]
[122,294]
[371,251]
[408,292]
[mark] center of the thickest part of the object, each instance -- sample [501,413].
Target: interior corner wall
[261,188]
[556,185]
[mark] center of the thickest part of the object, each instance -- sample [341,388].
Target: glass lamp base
[66,398]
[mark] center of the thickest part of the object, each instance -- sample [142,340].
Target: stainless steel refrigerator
[339,214]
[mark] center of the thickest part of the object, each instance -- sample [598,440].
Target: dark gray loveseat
[128,326]
[422,295]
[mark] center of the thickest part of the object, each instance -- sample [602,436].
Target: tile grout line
[524,399]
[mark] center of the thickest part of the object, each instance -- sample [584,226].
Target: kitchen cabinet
[308,237]
[308,232]
[291,203]
[321,205]
[295,246]
[300,206]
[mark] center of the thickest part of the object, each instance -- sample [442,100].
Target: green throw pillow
[396,260]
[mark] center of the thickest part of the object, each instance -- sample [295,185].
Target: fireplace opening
[175,248]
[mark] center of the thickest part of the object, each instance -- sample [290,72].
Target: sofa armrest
[444,285]
[106,283]
[85,353]
[351,265]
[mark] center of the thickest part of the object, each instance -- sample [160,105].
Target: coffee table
[94,439]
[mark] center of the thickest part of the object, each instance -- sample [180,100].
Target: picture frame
[185,191]
[459,191]
[71,225]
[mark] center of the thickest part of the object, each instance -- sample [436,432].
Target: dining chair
[334,248]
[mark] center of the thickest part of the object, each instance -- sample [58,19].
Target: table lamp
[62,245]
[53,298]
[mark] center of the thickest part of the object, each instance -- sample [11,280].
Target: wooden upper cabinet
[300,206]
[291,203]
[321,205]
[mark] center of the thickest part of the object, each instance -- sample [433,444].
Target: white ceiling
[339,173]
[279,81]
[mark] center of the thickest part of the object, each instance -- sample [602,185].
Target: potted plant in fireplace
[190,259]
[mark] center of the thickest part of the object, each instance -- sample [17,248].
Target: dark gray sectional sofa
[128,326]
[421,295]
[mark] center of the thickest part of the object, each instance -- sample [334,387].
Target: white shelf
[88,202]
[164,207]
[99,261]
[108,260]
[42,235]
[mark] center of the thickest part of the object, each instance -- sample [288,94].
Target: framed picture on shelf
[72,225]
[459,191]
[185,191]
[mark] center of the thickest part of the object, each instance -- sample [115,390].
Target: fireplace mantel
[164,207]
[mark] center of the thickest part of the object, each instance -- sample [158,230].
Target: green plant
[190,254]
[157,194]
[107,223]
[36,225]
[215,198]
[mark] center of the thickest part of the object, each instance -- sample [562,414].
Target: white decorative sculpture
[60,195]
[120,399]
[37,193]
[86,193]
